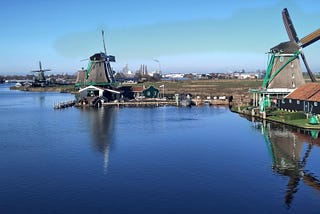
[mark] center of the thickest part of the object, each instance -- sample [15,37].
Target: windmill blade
[311,38]
[313,79]
[311,180]
[289,26]
[292,188]
[306,156]
[104,44]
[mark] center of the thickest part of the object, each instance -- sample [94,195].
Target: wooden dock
[162,103]
[141,103]
[65,104]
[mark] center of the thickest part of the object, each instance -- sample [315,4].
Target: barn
[305,98]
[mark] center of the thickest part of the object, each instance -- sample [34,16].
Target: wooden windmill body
[99,71]
[288,64]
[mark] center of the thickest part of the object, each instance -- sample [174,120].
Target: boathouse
[94,91]
[305,98]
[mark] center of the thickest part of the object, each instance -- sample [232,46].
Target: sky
[190,36]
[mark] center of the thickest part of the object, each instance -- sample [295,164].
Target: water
[150,160]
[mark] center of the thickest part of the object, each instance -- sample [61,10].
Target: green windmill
[40,79]
[284,70]
[284,73]
[99,71]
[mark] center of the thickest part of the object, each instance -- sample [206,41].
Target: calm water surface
[150,160]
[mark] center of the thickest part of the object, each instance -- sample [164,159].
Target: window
[290,100]
[282,101]
[281,59]
[298,102]
[315,103]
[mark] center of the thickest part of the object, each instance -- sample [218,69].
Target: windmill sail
[289,26]
[311,38]
[305,41]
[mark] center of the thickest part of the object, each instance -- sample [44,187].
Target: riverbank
[238,89]
[56,88]
[295,119]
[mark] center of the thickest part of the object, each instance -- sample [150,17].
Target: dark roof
[286,48]
[102,57]
[308,91]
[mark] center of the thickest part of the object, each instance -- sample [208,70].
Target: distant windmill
[284,70]
[40,80]
[99,71]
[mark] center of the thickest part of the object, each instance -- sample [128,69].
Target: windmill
[99,71]
[40,79]
[284,70]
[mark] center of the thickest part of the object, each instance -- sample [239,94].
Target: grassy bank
[296,119]
[56,88]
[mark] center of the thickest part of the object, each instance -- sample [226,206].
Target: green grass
[298,119]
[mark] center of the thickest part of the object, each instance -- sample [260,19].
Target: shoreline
[298,123]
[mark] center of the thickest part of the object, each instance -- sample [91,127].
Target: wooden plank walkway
[141,103]
[65,104]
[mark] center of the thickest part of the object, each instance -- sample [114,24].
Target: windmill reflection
[286,148]
[101,125]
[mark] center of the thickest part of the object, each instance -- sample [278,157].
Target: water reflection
[101,126]
[289,158]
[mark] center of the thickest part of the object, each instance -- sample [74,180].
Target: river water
[150,160]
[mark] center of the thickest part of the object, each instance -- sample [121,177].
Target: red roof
[137,88]
[308,91]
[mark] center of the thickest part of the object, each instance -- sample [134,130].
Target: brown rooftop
[308,91]
[137,88]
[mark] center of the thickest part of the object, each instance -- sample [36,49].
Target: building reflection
[101,126]
[289,150]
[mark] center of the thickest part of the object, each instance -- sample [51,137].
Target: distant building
[151,92]
[173,76]
[137,92]
[127,72]
[143,70]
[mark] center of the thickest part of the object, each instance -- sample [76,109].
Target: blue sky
[185,36]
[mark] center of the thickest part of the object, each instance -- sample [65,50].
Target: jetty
[142,103]
[65,104]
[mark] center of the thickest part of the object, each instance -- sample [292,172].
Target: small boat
[17,85]
[186,103]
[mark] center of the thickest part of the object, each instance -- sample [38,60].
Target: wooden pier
[94,102]
[141,103]
[163,103]
[65,104]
